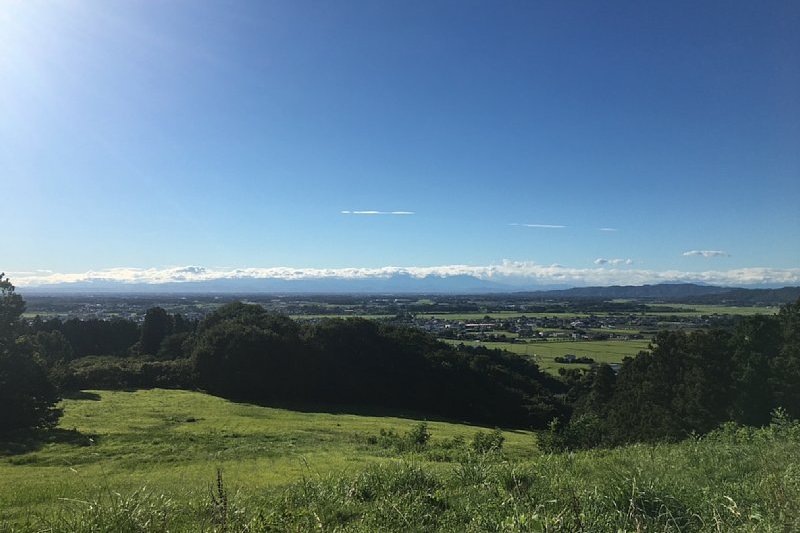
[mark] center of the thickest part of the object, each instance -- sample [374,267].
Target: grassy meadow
[146,461]
[655,310]
[703,309]
[545,352]
[173,441]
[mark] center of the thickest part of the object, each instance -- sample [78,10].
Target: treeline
[748,297]
[242,351]
[688,383]
[76,338]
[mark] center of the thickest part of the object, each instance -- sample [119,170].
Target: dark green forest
[687,383]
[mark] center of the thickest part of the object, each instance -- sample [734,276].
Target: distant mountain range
[677,293]
[400,283]
[671,291]
[406,284]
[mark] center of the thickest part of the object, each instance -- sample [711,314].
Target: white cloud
[511,273]
[545,226]
[377,212]
[706,253]
[608,229]
[191,270]
[603,261]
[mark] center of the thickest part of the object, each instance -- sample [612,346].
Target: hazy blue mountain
[751,296]
[678,293]
[661,291]
[406,284]
[390,284]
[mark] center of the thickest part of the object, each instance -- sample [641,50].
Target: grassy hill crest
[148,461]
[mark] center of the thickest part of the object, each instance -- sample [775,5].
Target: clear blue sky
[234,134]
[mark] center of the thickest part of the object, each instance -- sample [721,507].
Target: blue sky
[232,135]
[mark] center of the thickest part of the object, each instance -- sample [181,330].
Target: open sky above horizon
[619,136]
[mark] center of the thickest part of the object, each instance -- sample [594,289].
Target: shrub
[108,372]
[485,442]
[418,435]
[580,433]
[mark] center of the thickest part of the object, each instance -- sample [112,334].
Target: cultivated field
[656,310]
[697,310]
[545,352]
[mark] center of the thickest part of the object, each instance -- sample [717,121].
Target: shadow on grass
[31,440]
[368,410]
[81,395]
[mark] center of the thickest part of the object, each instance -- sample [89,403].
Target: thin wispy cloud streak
[603,261]
[372,212]
[706,253]
[608,229]
[512,273]
[543,226]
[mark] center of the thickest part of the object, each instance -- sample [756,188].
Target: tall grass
[362,474]
[735,479]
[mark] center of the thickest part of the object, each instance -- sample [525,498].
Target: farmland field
[697,310]
[342,315]
[498,315]
[545,352]
[656,310]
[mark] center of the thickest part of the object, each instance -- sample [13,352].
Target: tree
[11,308]
[157,325]
[27,397]
[681,386]
[756,342]
[786,367]
[244,352]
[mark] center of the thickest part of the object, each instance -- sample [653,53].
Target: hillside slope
[148,461]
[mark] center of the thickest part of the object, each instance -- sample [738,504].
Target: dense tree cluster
[690,382]
[245,352]
[27,396]
[118,337]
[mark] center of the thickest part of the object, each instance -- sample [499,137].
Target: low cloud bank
[511,273]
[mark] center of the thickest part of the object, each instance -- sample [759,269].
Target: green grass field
[173,441]
[332,315]
[698,310]
[151,467]
[495,315]
[682,309]
[545,352]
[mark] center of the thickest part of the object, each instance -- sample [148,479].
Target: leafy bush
[415,439]
[579,433]
[418,435]
[110,372]
[484,442]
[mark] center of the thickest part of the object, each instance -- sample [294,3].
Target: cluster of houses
[521,329]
